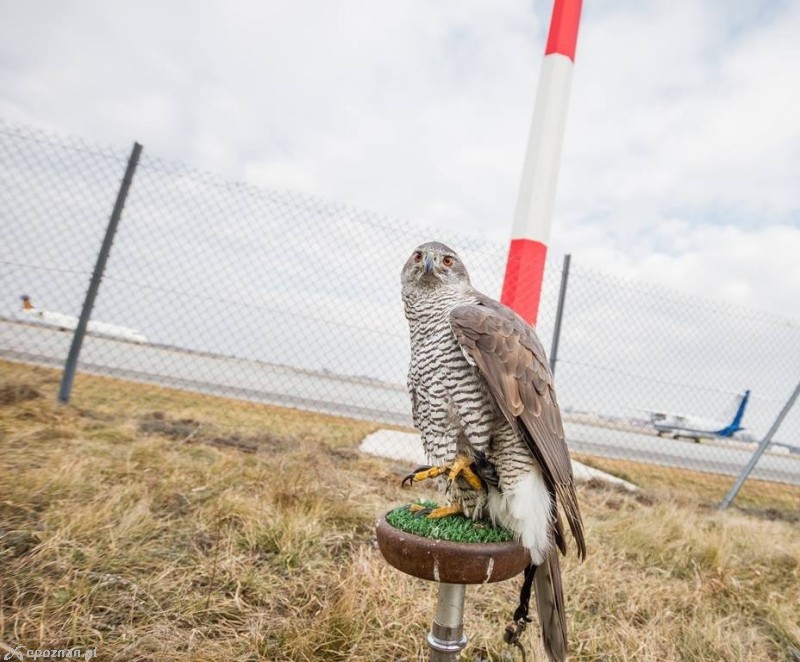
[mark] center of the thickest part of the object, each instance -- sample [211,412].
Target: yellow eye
[447,261]
[417,256]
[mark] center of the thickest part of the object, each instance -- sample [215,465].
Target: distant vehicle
[68,323]
[679,425]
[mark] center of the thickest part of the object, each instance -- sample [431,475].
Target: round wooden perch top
[450,562]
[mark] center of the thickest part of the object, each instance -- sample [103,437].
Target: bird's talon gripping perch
[422,512]
[461,466]
[436,512]
[444,511]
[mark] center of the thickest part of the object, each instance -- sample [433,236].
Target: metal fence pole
[562,295]
[94,283]
[760,450]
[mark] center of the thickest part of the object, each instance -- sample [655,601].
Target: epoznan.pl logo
[20,653]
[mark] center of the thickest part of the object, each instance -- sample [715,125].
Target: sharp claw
[412,475]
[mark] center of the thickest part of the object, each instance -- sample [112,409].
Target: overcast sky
[681,158]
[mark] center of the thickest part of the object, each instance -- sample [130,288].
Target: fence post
[562,295]
[759,451]
[94,283]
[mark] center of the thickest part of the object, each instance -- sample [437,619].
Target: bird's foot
[434,513]
[460,467]
[420,474]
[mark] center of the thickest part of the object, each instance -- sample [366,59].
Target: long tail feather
[550,605]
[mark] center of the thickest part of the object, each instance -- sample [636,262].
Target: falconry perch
[483,400]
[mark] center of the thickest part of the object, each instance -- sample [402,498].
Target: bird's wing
[512,360]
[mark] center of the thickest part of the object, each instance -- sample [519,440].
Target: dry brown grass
[758,497]
[162,525]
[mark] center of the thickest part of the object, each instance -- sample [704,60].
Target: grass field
[161,525]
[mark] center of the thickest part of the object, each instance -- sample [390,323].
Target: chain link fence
[277,297]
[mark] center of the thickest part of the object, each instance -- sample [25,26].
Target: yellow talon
[433,472]
[461,467]
[444,511]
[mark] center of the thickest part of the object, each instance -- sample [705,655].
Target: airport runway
[349,396]
[707,456]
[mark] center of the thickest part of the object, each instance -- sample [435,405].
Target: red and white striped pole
[534,212]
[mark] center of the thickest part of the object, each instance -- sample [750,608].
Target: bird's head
[434,265]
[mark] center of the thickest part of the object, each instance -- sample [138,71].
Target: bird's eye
[447,261]
[417,256]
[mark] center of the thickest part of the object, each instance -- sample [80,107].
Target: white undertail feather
[526,509]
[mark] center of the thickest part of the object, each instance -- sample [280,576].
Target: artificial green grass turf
[455,528]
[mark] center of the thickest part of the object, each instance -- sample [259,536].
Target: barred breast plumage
[449,397]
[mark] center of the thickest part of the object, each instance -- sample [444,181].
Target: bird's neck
[428,307]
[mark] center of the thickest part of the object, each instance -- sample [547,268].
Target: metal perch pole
[452,565]
[446,638]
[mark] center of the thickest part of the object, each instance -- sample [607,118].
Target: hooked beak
[427,262]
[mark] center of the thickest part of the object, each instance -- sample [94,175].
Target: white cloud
[756,268]
[681,157]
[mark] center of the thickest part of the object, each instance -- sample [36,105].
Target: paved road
[346,396]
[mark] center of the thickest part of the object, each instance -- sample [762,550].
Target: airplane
[678,425]
[68,323]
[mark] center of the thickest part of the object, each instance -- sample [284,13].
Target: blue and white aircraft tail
[678,425]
